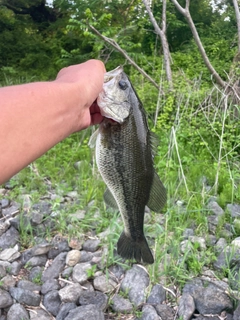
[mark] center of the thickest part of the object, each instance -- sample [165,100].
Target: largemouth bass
[125,161]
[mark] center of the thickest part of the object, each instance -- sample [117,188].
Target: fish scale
[125,162]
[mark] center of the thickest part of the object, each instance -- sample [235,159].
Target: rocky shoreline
[62,278]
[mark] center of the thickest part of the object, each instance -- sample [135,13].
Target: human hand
[88,78]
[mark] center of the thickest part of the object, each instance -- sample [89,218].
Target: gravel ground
[68,279]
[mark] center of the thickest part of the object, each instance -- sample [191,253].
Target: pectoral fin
[93,139]
[158,195]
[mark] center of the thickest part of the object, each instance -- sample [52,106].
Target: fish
[124,157]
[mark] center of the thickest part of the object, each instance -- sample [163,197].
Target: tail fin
[138,250]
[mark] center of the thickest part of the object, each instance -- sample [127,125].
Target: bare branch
[119,49]
[162,35]
[179,7]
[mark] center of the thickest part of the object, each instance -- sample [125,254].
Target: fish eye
[123,84]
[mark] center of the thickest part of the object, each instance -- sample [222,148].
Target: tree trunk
[161,32]
[186,13]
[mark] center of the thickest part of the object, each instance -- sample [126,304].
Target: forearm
[37,116]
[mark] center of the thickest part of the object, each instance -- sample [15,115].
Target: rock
[6,300]
[94,297]
[135,283]
[67,272]
[80,272]
[214,207]
[86,256]
[187,233]
[9,239]
[78,215]
[36,218]
[56,267]
[208,297]
[186,306]
[200,241]
[70,293]
[73,194]
[17,311]
[76,243]
[39,261]
[89,312]
[41,249]
[116,272]
[91,245]
[35,274]
[2,272]
[104,283]
[9,211]
[28,285]
[149,313]
[234,210]
[236,314]
[39,314]
[165,312]
[43,207]
[228,257]
[52,302]
[15,268]
[4,225]
[120,304]
[73,257]
[58,248]
[7,282]
[220,245]
[157,295]
[64,310]
[49,285]
[10,254]
[5,203]
[235,242]
[25,296]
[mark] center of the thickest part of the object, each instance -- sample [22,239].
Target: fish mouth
[110,79]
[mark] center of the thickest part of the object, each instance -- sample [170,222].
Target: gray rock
[58,248]
[25,296]
[165,312]
[116,272]
[221,244]
[25,256]
[73,257]
[208,297]
[149,313]
[91,245]
[49,285]
[67,272]
[9,211]
[86,256]
[39,314]
[41,249]
[10,254]
[35,273]
[234,210]
[214,207]
[43,207]
[2,272]
[52,302]
[4,225]
[37,261]
[15,268]
[135,283]
[9,239]
[7,282]
[187,233]
[56,267]
[200,241]
[6,300]
[5,203]
[36,218]
[94,297]
[104,283]
[28,285]
[230,256]
[17,311]
[78,215]
[120,304]
[186,306]
[70,293]
[80,272]
[157,295]
[89,312]
[64,310]
[236,314]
